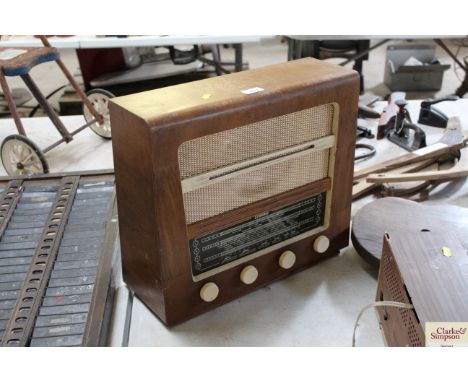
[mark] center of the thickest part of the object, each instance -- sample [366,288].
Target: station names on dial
[262,231]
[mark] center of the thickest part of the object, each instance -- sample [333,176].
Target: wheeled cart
[19,154]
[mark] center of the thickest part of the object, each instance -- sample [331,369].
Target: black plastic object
[431,116]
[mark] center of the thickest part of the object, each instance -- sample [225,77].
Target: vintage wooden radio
[227,184]
[428,271]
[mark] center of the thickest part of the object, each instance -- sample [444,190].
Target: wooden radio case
[230,183]
[427,269]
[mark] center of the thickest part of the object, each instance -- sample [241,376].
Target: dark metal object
[463,89]
[387,118]
[370,151]
[21,322]
[431,116]
[55,288]
[73,82]
[363,132]
[406,134]
[64,139]
[298,48]
[8,202]
[11,104]
[363,53]
[46,106]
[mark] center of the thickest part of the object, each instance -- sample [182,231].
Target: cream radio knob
[209,292]
[249,274]
[287,259]
[321,244]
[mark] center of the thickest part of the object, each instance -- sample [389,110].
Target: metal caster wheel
[100,100]
[21,156]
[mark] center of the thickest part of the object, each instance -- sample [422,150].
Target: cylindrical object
[249,274]
[287,259]
[321,244]
[209,292]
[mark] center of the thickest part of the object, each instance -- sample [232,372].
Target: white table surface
[316,307]
[81,42]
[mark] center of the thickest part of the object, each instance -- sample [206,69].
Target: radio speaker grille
[396,290]
[250,141]
[256,185]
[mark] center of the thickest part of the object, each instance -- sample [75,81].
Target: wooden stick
[451,140]
[361,187]
[459,170]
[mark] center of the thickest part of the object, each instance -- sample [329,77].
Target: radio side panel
[141,264]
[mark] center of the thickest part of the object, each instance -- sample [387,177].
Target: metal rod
[11,104]
[73,133]
[450,53]
[364,52]
[46,106]
[75,85]
[238,57]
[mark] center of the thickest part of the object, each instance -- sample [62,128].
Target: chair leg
[216,58]
[238,55]
[11,104]
[46,107]
[358,68]
[79,91]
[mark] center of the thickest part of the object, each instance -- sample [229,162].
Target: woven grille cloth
[248,142]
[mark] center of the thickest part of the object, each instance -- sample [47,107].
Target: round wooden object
[393,215]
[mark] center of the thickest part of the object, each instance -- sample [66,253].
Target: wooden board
[459,170]
[415,270]
[395,215]
[437,284]
[361,187]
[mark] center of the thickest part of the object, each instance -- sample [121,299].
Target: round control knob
[249,274]
[209,292]
[321,244]
[287,259]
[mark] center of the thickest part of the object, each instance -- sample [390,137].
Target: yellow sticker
[206,96]
[446,251]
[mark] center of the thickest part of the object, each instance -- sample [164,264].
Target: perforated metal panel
[394,286]
[249,142]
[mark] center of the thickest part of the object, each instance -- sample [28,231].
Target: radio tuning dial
[209,292]
[287,259]
[321,244]
[249,274]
